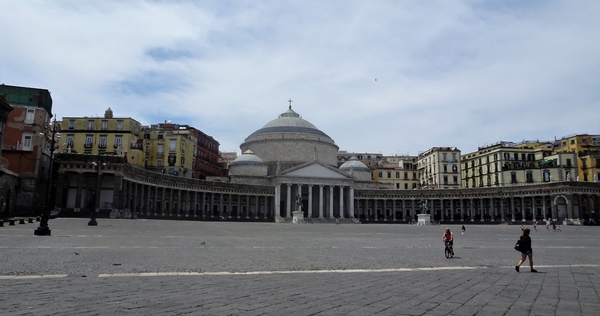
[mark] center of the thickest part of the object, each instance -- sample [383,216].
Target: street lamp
[97,192]
[43,229]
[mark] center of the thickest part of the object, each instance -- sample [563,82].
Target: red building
[25,150]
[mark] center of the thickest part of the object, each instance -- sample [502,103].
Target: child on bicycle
[449,236]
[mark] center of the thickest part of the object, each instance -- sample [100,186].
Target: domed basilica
[300,160]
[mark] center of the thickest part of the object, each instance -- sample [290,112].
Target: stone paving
[156,267]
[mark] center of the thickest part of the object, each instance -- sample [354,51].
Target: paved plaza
[157,267]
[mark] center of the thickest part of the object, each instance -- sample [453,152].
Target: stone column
[462,210]
[194,203]
[310,201]
[342,202]
[351,201]
[277,200]
[451,209]
[288,201]
[320,201]
[248,204]
[330,210]
[375,204]
[523,213]
[155,199]
[569,208]
[80,181]
[481,205]
[202,203]
[142,199]
[162,201]
[257,206]
[512,209]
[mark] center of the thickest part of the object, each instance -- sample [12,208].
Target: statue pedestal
[297,216]
[424,219]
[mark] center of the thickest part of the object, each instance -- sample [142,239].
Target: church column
[569,207]
[288,201]
[298,191]
[330,210]
[134,209]
[310,201]
[155,200]
[342,202]
[462,210]
[79,191]
[202,203]
[481,206]
[351,200]
[320,201]
[394,210]
[512,209]
[257,206]
[211,205]
[248,197]
[451,209]
[170,209]
[163,201]
[277,201]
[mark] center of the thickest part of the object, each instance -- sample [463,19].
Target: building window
[445,179]
[160,136]
[513,177]
[104,125]
[90,125]
[182,161]
[69,141]
[397,175]
[172,145]
[119,125]
[455,178]
[102,143]
[529,176]
[547,175]
[26,142]
[380,174]
[88,141]
[159,163]
[389,174]
[118,141]
[445,168]
[569,163]
[161,149]
[30,116]
[71,124]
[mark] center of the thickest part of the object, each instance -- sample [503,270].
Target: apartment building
[171,149]
[439,168]
[510,164]
[25,146]
[587,149]
[399,171]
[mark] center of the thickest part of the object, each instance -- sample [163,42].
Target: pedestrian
[535,224]
[463,230]
[547,224]
[524,246]
[522,229]
[449,236]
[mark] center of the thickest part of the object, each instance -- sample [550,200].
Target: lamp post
[97,191]
[43,229]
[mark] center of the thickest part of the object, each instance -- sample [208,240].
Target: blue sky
[392,77]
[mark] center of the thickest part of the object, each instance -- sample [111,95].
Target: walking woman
[525,249]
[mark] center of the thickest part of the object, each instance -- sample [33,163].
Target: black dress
[525,244]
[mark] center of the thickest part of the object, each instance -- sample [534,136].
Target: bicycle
[449,251]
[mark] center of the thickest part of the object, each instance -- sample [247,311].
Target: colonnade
[317,200]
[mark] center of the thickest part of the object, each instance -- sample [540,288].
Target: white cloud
[448,73]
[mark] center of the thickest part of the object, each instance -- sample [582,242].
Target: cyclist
[449,236]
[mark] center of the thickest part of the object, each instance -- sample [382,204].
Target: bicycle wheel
[448,252]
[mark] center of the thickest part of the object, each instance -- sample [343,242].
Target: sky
[391,77]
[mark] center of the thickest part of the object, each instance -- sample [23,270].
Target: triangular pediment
[314,170]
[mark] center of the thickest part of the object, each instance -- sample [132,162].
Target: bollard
[1,223]
[21,221]
[37,219]
[11,222]
[30,220]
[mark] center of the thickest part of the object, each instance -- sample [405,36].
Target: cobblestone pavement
[155,267]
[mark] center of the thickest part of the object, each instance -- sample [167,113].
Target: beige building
[511,164]
[106,135]
[170,149]
[587,149]
[439,168]
[399,171]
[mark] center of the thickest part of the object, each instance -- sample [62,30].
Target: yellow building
[103,136]
[587,149]
[171,149]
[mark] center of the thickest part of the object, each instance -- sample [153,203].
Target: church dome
[354,164]
[288,141]
[247,157]
[289,122]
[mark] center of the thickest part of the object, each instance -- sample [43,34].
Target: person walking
[526,250]
[463,230]
[535,224]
